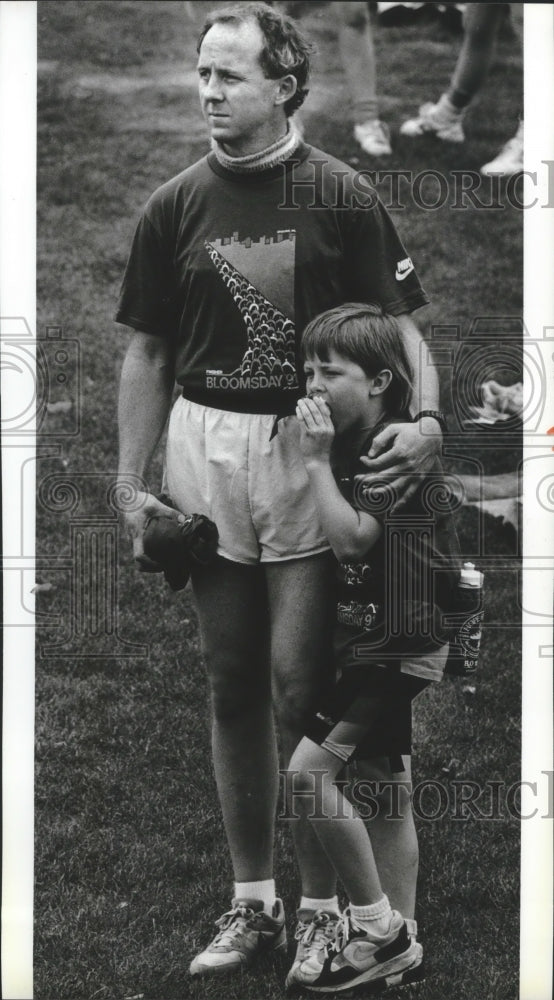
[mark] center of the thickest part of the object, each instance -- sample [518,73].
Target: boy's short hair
[285,50]
[363,333]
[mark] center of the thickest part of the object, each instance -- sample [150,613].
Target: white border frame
[18,32]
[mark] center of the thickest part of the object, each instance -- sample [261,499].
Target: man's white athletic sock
[329,905]
[264,890]
[374,919]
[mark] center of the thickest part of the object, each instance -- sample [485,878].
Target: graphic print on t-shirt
[259,274]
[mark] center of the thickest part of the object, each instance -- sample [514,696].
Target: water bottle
[467,620]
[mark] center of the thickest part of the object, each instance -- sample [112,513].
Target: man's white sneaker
[315,930]
[374,137]
[354,958]
[245,933]
[510,158]
[438,119]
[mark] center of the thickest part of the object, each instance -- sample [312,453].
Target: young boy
[396,568]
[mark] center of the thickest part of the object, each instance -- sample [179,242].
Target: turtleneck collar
[272,156]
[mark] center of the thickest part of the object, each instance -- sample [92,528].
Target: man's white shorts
[224,465]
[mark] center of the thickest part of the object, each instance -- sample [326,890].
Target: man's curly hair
[285,50]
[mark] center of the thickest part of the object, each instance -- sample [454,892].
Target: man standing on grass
[229,262]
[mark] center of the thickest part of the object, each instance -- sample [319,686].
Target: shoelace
[232,923]
[318,933]
[343,930]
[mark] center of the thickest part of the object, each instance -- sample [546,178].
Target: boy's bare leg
[392,832]
[345,838]
[339,828]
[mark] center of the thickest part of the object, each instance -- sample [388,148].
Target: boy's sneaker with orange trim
[245,933]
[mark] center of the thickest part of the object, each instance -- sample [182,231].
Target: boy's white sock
[264,890]
[329,905]
[374,919]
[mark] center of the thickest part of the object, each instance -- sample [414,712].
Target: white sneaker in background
[510,158]
[440,119]
[374,137]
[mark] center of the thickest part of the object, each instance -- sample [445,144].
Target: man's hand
[134,522]
[146,387]
[403,452]
[316,429]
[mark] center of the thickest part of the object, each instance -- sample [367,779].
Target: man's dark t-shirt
[230,268]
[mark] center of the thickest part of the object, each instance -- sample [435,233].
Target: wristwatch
[437,415]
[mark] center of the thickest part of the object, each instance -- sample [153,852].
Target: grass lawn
[131,861]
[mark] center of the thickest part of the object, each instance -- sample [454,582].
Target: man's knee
[231,704]
[300,673]
[294,701]
[237,687]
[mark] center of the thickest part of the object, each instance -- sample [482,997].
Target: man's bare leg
[232,612]
[302,602]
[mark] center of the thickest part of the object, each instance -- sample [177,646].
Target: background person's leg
[481,22]
[509,160]
[359,64]
[232,612]
[301,596]
[444,119]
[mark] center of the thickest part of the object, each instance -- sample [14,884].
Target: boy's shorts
[224,465]
[380,691]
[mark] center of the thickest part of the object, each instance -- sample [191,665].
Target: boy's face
[346,389]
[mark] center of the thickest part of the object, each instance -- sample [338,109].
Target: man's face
[241,106]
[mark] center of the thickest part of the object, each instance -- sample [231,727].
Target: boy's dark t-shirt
[390,603]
